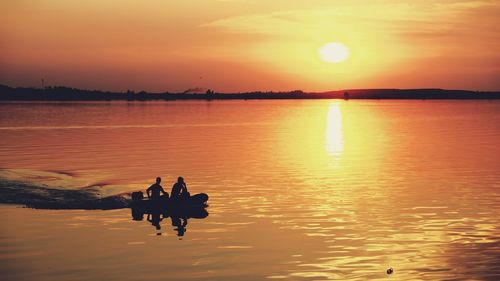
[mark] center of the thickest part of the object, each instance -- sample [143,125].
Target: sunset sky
[245,45]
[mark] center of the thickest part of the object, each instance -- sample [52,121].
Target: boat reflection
[179,217]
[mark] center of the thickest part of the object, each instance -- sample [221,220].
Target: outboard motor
[137,196]
[137,212]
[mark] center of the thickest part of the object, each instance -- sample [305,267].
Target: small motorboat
[192,207]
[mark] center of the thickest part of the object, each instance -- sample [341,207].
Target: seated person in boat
[179,190]
[155,189]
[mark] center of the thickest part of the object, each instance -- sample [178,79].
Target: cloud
[424,18]
[384,37]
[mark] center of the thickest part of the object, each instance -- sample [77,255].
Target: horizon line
[202,90]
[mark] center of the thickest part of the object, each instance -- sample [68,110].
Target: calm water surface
[299,190]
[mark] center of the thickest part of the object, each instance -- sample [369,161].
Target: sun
[334,52]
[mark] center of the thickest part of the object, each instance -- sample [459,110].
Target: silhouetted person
[179,190]
[155,189]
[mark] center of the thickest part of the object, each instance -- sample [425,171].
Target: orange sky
[243,45]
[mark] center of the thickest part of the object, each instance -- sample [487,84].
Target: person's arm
[174,191]
[162,190]
[148,191]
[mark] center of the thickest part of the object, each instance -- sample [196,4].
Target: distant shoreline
[61,93]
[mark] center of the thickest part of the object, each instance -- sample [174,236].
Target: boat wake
[43,196]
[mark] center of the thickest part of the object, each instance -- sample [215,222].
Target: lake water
[299,189]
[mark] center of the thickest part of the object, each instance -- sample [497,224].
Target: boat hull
[192,207]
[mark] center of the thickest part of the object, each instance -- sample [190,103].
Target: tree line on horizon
[62,93]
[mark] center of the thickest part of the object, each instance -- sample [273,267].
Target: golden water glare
[334,132]
[298,189]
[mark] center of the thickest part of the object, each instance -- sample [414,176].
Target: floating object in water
[390,270]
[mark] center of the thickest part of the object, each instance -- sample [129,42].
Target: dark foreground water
[299,190]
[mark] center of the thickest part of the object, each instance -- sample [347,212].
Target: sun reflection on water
[298,189]
[334,132]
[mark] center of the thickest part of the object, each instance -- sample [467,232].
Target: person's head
[158,180]
[180,179]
